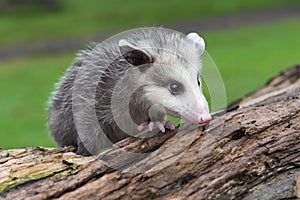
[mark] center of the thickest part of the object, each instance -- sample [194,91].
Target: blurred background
[249,40]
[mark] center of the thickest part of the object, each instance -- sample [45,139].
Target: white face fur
[173,79]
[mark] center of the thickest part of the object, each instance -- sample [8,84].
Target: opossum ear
[197,41]
[133,54]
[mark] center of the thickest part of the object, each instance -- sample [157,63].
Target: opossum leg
[157,115]
[81,150]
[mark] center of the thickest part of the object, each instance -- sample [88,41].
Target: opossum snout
[204,118]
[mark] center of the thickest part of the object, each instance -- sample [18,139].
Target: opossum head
[170,73]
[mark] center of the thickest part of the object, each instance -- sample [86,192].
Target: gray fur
[102,93]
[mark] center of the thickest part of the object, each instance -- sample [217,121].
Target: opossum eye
[199,83]
[198,80]
[175,88]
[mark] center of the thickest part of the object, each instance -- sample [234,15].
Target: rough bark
[252,151]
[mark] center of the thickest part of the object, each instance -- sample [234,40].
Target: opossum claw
[151,126]
[171,125]
[160,125]
[142,126]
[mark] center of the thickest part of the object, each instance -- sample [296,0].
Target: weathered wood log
[252,151]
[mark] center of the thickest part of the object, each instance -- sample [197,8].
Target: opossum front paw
[157,120]
[161,125]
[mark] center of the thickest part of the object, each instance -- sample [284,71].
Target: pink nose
[204,118]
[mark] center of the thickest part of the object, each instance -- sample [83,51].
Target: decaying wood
[250,152]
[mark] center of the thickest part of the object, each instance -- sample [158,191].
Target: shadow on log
[252,151]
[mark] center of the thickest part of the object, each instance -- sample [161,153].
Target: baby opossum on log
[127,84]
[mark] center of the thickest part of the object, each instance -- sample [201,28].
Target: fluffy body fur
[114,86]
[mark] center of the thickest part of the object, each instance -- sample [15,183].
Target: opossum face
[171,78]
[179,92]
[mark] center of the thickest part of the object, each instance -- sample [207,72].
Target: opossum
[127,84]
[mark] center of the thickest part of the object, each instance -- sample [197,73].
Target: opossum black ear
[197,41]
[133,54]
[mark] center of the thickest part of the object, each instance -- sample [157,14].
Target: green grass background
[78,17]
[246,56]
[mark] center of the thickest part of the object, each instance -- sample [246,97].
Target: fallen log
[249,151]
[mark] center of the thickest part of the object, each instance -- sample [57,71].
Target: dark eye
[199,84]
[198,79]
[175,88]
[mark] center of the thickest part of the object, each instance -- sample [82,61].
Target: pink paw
[160,125]
[69,154]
